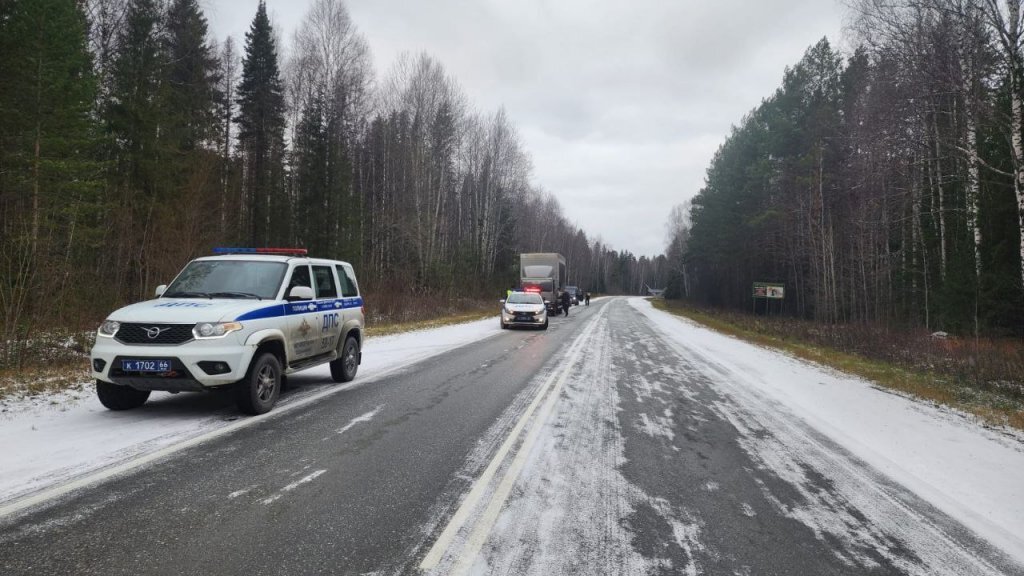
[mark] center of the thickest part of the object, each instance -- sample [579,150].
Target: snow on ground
[560,504]
[48,440]
[570,503]
[972,473]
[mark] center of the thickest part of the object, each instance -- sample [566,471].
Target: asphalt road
[595,447]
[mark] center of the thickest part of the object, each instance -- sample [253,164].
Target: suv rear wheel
[117,397]
[258,392]
[344,368]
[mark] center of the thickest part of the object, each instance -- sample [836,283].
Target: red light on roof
[532,289]
[286,251]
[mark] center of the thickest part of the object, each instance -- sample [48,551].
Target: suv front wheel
[344,368]
[258,392]
[117,397]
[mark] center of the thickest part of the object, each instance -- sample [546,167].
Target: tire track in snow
[567,513]
[570,510]
[867,521]
[458,546]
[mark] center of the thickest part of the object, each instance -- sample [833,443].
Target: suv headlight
[207,330]
[109,328]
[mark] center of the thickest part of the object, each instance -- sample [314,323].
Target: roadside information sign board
[770,290]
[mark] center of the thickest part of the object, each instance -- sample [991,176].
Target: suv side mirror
[300,293]
[502,300]
[160,290]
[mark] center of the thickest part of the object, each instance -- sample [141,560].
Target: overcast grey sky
[621,104]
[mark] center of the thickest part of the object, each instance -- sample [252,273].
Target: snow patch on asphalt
[835,499]
[48,443]
[241,492]
[304,480]
[359,420]
[788,410]
[686,533]
[571,508]
[655,426]
[569,504]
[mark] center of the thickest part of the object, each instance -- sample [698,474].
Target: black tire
[545,326]
[259,391]
[344,369]
[503,325]
[117,397]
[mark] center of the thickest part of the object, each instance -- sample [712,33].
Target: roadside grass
[391,312]
[389,328]
[983,378]
[47,363]
[40,380]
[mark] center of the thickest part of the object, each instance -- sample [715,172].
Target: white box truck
[543,272]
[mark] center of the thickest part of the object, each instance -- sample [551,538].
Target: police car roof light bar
[277,251]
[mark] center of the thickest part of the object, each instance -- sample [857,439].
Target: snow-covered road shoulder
[49,441]
[972,473]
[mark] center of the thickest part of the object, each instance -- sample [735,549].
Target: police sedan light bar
[277,251]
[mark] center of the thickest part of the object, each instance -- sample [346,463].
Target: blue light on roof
[278,251]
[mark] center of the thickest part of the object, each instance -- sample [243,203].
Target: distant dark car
[574,294]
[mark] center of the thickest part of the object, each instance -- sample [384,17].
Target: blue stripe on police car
[279,310]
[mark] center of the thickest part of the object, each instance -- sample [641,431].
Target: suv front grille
[165,334]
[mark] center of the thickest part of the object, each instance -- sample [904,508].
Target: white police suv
[244,317]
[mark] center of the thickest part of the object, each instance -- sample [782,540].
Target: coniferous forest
[131,140]
[882,183]
[884,186]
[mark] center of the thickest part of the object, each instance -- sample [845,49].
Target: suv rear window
[348,283]
[325,287]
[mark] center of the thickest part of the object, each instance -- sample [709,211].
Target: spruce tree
[133,112]
[49,177]
[311,170]
[261,124]
[138,178]
[191,77]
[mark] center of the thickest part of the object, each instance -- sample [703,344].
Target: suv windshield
[524,298]
[228,279]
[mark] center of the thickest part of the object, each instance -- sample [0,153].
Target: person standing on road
[566,301]
[586,298]
[508,293]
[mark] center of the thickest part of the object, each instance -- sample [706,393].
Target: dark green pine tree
[139,167]
[191,77]
[133,112]
[311,170]
[49,175]
[190,129]
[261,125]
